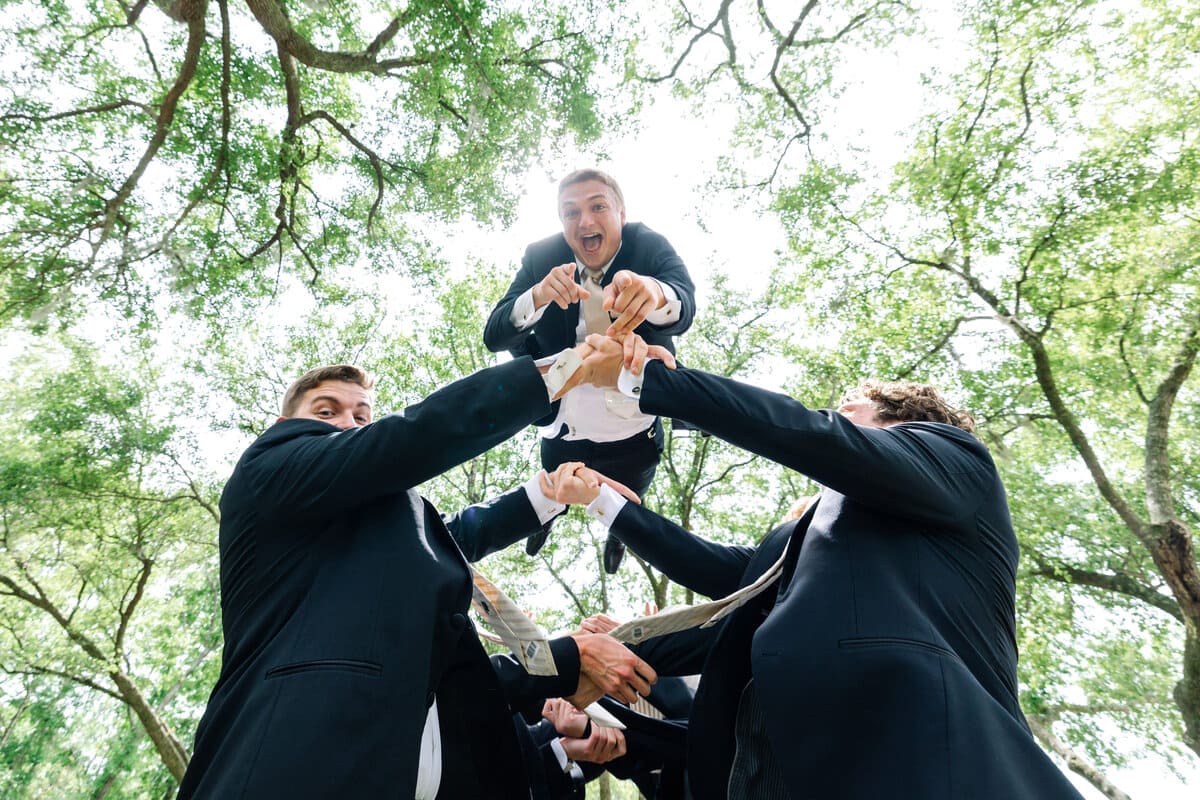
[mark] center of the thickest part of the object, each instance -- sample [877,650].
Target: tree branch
[192,12]
[1116,583]
[274,20]
[1075,762]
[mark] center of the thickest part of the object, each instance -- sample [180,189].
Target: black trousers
[631,461]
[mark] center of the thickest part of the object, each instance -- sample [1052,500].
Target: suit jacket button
[458,621]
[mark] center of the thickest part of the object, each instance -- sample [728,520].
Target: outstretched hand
[559,287]
[610,668]
[566,719]
[635,352]
[598,623]
[602,357]
[631,297]
[574,483]
[602,746]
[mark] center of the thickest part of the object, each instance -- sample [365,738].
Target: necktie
[594,315]
[525,638]
[679,618]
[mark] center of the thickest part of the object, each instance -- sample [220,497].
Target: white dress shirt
[595,415]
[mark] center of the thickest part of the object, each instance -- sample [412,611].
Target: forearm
[920,470]
[398,451]
[485,528]
[521,689]
[708,568]
[682,653]
[499,332]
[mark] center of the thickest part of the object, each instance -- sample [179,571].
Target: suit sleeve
[681,653]
[499,333]
[711,569]
[920,470]
[329,472]
[522,690]
[662,263]
[485,528]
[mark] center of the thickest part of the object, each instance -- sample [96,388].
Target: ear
[622,213]
[281,419]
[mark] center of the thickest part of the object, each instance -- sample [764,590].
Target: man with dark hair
[600,275]
[881,659]
[350,668]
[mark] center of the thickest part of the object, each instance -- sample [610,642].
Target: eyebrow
[328,398]
[588,199]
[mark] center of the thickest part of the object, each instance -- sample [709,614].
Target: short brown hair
[590,174]
[315,377]
[902,401]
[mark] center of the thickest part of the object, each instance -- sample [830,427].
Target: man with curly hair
[882,659]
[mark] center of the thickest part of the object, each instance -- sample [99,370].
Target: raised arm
[308,468]
[662,263]
[921,470]
[499,332]
[706,567]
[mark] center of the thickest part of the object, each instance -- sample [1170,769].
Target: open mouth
[591,242]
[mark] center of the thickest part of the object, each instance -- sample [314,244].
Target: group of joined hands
[603,357]
[606,665]
[580,739]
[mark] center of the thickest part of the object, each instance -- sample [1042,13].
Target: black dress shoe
[534,543]
[614,551]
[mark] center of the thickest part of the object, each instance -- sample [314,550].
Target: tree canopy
[200,200]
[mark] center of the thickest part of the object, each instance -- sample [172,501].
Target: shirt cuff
[524,315]
[562,367]
[629,384]
[545,508]
[568,766]
[606,506]
[666,315]
[561,754]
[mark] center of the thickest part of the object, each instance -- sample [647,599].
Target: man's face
[341,403]
[592,220]
[861,411]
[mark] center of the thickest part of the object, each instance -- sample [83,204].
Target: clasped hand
[604,356]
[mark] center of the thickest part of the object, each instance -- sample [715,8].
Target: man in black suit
[350,668]
[882,661]
[637,283]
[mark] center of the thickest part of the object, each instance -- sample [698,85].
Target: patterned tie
[594,315]
[524,637]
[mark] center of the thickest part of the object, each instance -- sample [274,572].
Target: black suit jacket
[642,250]
[344,597]
[886,662]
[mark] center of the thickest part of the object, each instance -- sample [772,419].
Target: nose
[346,421]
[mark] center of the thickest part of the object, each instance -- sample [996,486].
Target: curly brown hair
[315,377]
[902,401]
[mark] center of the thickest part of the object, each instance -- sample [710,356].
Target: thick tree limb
[1075,761]
[271,15]
[192,12]
[219,167]
[1110,582]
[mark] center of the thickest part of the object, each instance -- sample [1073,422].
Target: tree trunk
[170,749]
